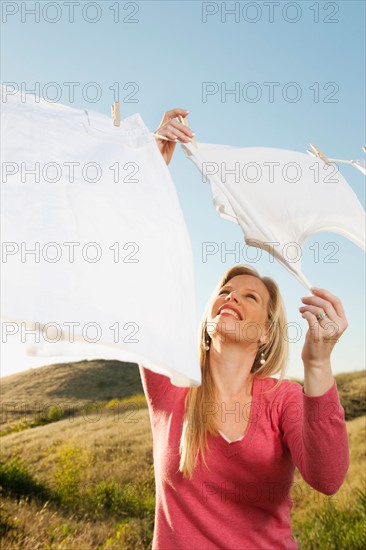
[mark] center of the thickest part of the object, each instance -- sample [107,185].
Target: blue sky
[162,53]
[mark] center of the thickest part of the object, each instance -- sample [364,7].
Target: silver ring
[321,316]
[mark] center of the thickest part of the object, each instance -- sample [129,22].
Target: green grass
[333,528]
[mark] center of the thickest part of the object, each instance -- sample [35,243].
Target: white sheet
[148,292]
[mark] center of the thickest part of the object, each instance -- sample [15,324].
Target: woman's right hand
[173,132]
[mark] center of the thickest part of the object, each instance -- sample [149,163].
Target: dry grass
[104,450]
[69,387]
[96,380]
[116,451]
[41,527]
[352,390]
[111,441]
[305,498]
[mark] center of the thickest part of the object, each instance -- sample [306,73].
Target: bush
[70,465]
[53,415]
[131,500]
[132,402]
[15,480]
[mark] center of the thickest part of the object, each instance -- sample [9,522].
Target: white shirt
[279,198]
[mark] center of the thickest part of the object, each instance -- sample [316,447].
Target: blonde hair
[197,424]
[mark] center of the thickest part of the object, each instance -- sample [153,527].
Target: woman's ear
[263,339]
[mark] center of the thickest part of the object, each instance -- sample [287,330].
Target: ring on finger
[322,316]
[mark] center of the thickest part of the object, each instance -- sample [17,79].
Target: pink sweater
[244,502]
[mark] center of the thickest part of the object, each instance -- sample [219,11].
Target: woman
[225,452]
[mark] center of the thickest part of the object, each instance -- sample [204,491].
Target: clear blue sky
[169,52]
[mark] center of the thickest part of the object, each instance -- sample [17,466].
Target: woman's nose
[232,294]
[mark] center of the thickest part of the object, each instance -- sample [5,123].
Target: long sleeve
[154,385]
[314,430]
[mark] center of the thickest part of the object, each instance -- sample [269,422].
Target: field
[76,464]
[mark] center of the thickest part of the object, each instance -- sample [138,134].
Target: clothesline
[359,164]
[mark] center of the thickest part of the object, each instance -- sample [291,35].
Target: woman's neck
[231,366]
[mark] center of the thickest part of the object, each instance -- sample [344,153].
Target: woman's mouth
[229,312]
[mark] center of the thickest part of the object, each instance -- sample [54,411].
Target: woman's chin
[227,334]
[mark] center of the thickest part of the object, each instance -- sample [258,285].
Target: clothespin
[116,113]
[316,152]
[184,121]
[359,164]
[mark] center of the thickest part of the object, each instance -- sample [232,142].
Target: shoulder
[283,398]
[273,388]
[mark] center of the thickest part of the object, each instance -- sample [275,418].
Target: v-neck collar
[234,447]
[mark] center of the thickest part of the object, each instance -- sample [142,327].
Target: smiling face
[240,310]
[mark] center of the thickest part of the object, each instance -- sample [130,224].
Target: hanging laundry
[279,198]
[360,165]
[95,247]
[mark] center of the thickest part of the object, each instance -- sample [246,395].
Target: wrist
[317,378]
[317,364]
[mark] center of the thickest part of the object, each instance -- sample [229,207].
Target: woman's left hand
[172,132]
[324,330]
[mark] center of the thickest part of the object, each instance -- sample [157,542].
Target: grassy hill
[36,396]
[82,381]
[86,480]
[64,389]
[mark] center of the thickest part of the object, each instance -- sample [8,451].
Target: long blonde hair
[197,424]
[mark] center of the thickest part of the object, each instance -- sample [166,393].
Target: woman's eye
[244,295]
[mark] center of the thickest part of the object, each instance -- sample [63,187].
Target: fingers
[315,310]
[176,131]
[336,303]
[159,136]
[317,306]
[325,329]
[310,318]
[173,113]
[183,132]
[324,301]
[166,134]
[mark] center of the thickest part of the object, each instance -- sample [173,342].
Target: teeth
[231,312]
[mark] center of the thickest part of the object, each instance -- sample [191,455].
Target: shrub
[131,500]
[70,465]
[137,401]
[53,415]
[16,480]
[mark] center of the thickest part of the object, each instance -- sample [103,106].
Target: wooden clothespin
[116,113]
[316,152]
[184,121]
